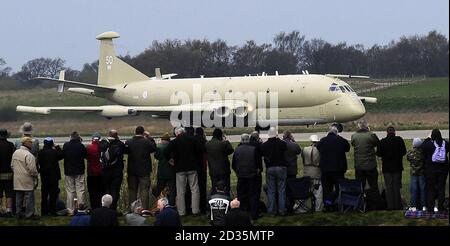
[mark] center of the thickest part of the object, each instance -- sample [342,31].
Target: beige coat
[24,170]
[311,160]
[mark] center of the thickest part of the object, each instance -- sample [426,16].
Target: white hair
[179,130]
[164,201]
[334,130]
[245,138]
[363,125]
[107,200]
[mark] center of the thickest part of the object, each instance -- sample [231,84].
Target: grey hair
[164,201]
[245,138]
[107,200]
[255,134]
[363,125]
[179,130]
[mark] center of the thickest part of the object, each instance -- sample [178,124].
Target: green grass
[430,95]
[353,219]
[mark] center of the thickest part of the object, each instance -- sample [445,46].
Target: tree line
[289,53]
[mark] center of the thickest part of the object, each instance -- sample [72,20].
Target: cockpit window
[342,88]
[349,88]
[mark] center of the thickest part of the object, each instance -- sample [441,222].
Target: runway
[297,136]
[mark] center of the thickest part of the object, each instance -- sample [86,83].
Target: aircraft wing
[62,82]
[222,108]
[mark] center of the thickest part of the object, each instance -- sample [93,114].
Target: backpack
[439,154]
[109,154]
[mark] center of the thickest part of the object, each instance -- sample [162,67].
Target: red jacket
[93,158]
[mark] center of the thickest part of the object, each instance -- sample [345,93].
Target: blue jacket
[168,217]
[80,219]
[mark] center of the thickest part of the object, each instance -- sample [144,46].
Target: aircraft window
[342,89]
[350,88]
[347,88]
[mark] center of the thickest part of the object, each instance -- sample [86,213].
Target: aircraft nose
[358,110]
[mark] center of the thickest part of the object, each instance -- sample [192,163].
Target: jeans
[191,178]
[74,188]
[276,185]
[25,203]
[393,183]
[417,187]
[139,184]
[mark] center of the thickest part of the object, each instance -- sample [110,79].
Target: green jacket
[217,152]
[416,159]
[364,143]
[165,170]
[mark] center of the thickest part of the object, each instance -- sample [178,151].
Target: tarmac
[410,134]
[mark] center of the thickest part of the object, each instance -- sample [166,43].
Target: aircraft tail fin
[111,69]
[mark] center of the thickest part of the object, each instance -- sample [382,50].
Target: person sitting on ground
[219,204]
[81,216]
[104,216]
[168,215]
[236,217]
[417,185]
[135,218]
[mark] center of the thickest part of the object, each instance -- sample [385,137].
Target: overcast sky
[67,28]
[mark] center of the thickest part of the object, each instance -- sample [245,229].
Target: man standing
[25,179]
[291,157]
[391,149]
[139,168]
[217,150]
[112,150]
[48,166]
[94,168]
[246,164]
[74,154]
[311,162]
[6,175]
[273,152]
[166,173]
[364,142]
[333,164]
[186,153]
[27,130]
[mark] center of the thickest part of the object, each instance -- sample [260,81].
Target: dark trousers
[224,178]
[202,183]
[368,176]
[170,183]
[436,183]
[393,184]
[247,195]
[139,184]
[49,193]
[112,181]
[95,189]
[289,200]
[330,185]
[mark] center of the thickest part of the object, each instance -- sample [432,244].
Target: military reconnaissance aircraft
[260,101]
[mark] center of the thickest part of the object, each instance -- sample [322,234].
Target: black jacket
[273,152]
[246,161]
[217,152]
[332,150]
[237,217]
[139,151]
[6,151]
[104,217]
[48,162]
[74,155]
[168,217]
[186,152]
[120,150]
[219,204]
[428,149]
[391,149]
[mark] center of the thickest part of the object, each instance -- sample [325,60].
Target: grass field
[430,95]
[354,219]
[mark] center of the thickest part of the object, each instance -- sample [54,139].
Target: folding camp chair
[351,196]
[300,189]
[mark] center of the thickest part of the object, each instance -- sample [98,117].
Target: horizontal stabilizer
[347,76]
[61,84]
